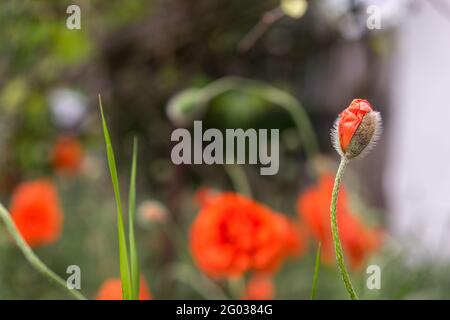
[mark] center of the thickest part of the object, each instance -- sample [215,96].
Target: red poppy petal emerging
[350,119]
[356,130]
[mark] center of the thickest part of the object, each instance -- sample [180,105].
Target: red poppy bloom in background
[295,237]
[36,212]
[67,155]
[111,289]
[259,287]
[294,232]
[203,196]
[233,234]
[358,241]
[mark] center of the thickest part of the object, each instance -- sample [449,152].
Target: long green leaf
[316,272]
[32,258]
[134,261]
[123,255]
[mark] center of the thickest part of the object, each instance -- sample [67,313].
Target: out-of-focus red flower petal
[36,212]
[260,287]
[234,234]
[205,196]
[111,289]
[67,155]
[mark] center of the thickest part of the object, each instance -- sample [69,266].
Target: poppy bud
[356,130]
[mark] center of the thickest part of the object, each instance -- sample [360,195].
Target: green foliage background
[138,54]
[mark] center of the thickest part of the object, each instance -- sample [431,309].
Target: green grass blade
[316,273]
[123,255]
[32,258]
[134,261]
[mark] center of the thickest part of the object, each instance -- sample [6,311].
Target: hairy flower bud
[356,130]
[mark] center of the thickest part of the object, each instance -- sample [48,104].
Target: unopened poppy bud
[356,130]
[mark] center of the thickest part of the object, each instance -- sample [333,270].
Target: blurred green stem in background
[203,285]
[334,230]
[238,178]
[192,102]
[273,95]
[236,286]
[134,261]
[31,256]
[316,272]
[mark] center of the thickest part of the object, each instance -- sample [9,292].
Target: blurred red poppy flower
[295,237]
[259,287]
[358,241]
[111,289]
[203,196]
[67,155]
[233,234]
[36,212]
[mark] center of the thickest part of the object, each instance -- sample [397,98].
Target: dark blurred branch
[266,21]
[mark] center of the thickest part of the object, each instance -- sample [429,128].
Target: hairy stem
[31,256]
[334,230]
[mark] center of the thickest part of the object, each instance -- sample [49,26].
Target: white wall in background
[417,180]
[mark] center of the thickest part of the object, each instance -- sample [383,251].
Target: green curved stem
[274,95]
[334,230]
[239,179]
[219,86]
[298,115]
[31,256]
[204,286]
